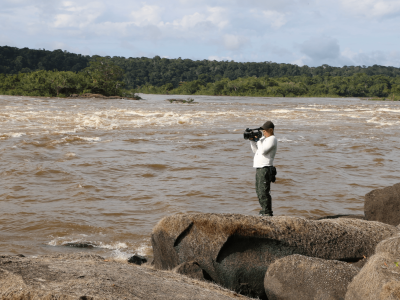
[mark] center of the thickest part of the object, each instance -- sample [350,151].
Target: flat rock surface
[82,276]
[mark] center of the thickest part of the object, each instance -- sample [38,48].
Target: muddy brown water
[104,172]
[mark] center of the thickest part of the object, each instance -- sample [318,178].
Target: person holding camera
[264,149]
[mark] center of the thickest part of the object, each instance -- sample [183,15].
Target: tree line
[357,85]
[100,77]
[142,71]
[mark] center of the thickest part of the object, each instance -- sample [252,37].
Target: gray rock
[380,277]
[298,277]
[383,205]
[192,270]
[236,250]
[79,276]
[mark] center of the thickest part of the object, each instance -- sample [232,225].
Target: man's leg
[263,188]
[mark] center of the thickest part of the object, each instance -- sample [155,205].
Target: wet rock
[79,245]
[80,276]
[380,277]
[383,205]
[303,278]
[192,270]
[137,260]
[236,250]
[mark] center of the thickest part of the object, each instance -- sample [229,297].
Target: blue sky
[303,32]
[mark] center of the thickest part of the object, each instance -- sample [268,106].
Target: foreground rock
[87,277]
[236,250]
[383,205]
[380,277]
[304,278]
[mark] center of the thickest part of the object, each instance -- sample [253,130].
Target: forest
[100,77]
[28,71]
[357,85]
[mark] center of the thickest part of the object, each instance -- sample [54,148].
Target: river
[104,172]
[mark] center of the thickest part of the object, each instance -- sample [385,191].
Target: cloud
[147,15]
[218,29]
[321,48]
[234,42]
[274,18]
[372,8]
[370,58]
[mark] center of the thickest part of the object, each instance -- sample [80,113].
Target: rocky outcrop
[304,278]
[91,277]
[379,279]
[236,250]
[193,270]
[383,205]
[89,95]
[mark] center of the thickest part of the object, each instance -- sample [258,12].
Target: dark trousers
[263,189]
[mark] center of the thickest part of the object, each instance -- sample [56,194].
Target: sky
[302,32]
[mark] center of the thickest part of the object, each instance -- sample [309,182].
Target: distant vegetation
[357,85]
[100,77]
[33,72]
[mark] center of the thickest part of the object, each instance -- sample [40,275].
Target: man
[265,150]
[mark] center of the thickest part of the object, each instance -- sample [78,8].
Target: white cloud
[321,48]
[76,15]
[274,18]
[234,42]
[214,17]
[147,15]
[372,8]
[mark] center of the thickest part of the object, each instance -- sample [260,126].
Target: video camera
[253,134]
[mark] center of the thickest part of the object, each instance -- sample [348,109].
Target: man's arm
[267,145]
[253,145]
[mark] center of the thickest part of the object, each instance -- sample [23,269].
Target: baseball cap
[268,125]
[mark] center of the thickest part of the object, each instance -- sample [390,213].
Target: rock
[304,278]
[236,250]
[383,205]
[137,260]
[80,276]
[192,270]
[79,245]
[380,277]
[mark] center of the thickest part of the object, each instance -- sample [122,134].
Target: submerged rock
[80,276]
[236,250]
[383,205]
[380,277]
[79,245]
[303,278]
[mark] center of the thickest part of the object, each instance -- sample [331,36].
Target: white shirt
[265,150]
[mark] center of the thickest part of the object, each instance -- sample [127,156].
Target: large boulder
[379,279]
[298,277]
[91,277]
[236,250]
[383,205]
